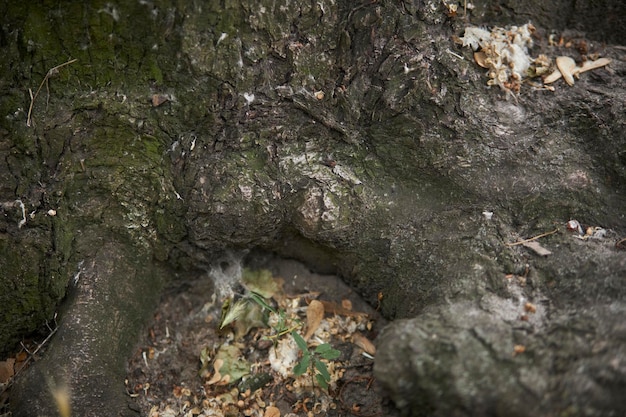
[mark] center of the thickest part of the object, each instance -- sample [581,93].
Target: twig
[521,242]
[50,73]
[32,354]
[40,345]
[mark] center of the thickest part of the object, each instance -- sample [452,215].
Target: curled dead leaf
[216,376]
[552,77]
[566,66]
[481,59]
[271,411]
[364,343]
[314,316]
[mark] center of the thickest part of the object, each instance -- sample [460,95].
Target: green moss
[23,307]
[155,72]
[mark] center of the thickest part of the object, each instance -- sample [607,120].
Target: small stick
[50,72]
[521,242]
[31,355]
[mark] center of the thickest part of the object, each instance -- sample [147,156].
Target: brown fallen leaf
[481,59]
[271,411]
[566,65]
[217,377]
[334,308]
[591,65]
[7,370]
[364,343]
[314,316]
[552,77]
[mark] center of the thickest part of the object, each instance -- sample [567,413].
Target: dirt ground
[164,377]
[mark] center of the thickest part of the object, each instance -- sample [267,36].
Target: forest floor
[185,365]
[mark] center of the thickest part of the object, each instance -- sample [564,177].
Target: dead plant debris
[278,353]
[12,366]
[504,52]
[51,72]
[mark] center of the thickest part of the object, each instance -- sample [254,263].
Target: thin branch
[521,242]
[32,354]
[50,73]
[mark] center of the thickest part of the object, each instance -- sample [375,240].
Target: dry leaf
[333,308]
[225,380]
[364,343]
[271,412]
[535,246]
[590,65]
[158,99]
[481,57]
[217,376]
[7,370]
[566,65]
[314,316]
[552,77]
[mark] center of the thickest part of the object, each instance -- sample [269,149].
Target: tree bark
[358,137]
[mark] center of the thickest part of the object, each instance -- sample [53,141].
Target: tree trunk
[360,138]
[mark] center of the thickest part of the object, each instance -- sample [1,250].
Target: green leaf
[323,348]
[300,342]
[321,381]
[331,354]
[205,356]
[258,298]
[252,316]
[323,370]
[327,352]
[205,360]
[234,363]
[261,282]
[302,366]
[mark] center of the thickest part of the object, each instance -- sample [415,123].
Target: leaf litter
[281,342]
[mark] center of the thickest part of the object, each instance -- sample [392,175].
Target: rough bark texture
[383,179]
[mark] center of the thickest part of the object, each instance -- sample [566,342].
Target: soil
[164,377]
